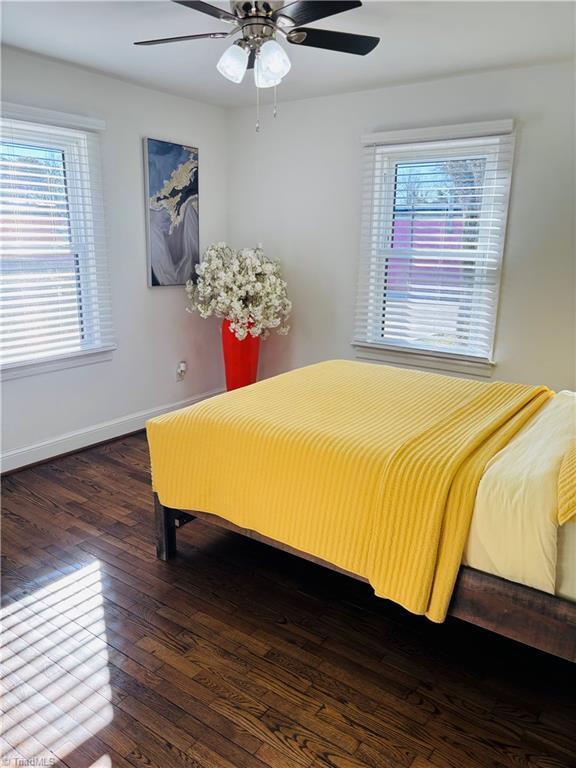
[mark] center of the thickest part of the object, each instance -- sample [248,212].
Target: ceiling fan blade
[333,41]
[251,59]
[308,11]
[161,40]
[211,10]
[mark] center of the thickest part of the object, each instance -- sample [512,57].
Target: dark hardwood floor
[236,655]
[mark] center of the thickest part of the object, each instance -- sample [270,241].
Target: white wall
[295,187]
[152,328]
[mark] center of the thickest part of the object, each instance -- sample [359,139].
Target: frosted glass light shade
[274,60]
[233,63]
[262,78]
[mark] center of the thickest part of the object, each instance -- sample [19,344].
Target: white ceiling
[420,40]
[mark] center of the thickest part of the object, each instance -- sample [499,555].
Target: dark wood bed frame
[523,614]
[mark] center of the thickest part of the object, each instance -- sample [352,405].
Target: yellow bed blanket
[369,467]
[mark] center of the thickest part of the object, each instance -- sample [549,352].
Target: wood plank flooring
[236,655]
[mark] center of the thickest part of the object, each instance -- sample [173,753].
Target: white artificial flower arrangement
[245,287]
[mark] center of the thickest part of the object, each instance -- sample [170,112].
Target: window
[433,224]
[54,285]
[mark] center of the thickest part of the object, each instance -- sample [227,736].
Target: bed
[449,496]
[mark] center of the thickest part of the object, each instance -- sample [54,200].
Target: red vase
[240,358]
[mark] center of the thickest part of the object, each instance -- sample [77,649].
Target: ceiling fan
[259,22]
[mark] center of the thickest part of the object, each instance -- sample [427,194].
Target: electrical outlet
[181,369]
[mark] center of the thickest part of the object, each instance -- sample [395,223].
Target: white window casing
[434,212]
[54,282]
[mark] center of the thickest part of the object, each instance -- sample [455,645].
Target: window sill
[441,363]
[48,365]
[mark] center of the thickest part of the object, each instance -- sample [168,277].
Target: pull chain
[257,110]
[275,112]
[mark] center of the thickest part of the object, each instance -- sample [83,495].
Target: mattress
[514,532]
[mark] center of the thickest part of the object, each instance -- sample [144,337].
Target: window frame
[80,190]
[399,145]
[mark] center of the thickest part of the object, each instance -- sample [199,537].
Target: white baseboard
[82,438]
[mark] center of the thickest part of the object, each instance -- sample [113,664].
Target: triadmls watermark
[26,762]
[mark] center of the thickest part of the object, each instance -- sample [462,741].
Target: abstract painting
[172,211]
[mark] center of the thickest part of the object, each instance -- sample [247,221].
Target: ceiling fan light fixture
[233,63]
[258,22]
[262,78]
[274,60]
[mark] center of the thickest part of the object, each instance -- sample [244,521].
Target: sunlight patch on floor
[56,685]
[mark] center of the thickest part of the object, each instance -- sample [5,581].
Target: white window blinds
[433,224]
[54,283]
